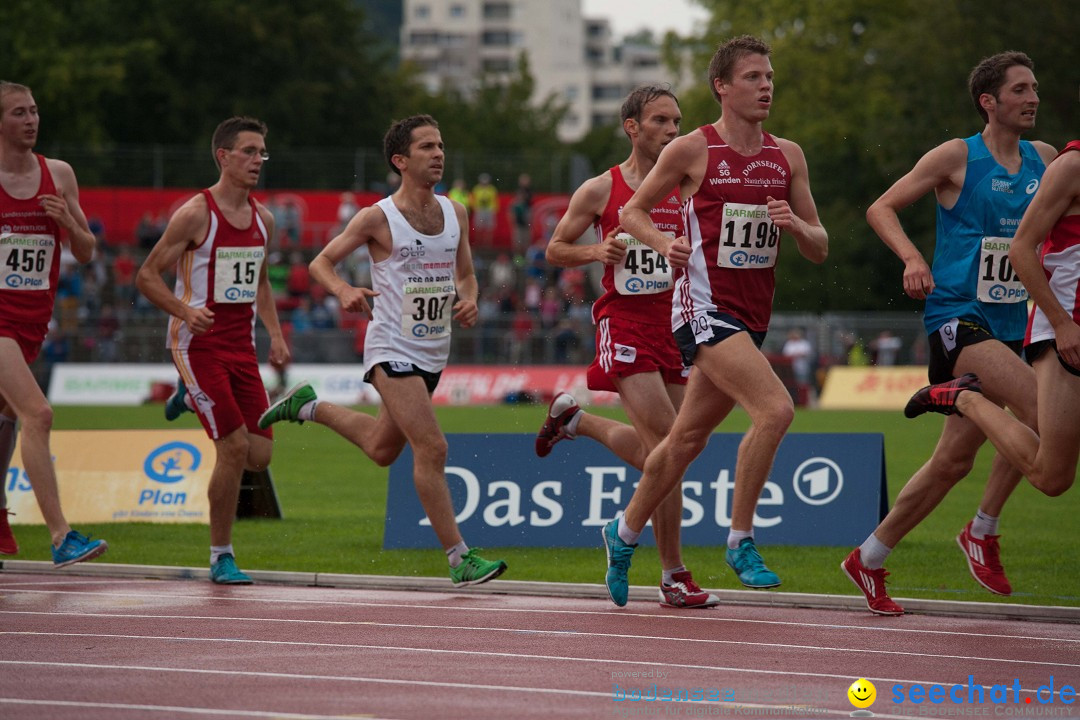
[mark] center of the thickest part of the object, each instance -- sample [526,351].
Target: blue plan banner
[825,489]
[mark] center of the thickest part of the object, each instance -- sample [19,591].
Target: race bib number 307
[236,273]
[997,281]
[748,238]
[25,261]
[426,309]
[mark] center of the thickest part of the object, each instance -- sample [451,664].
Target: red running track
[92,648]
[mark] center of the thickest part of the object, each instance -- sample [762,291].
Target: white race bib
[643,271]
[997,281]
[236,273]
[748,238]
[426,309]
[25,261]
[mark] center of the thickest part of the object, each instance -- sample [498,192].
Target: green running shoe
[225,572]
[288,407]
[619,553]
[747,563]
[175,405]
[474,569]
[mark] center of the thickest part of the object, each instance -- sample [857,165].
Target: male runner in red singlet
[742,188]
[1052,277]
[216,243]
[636,354]
[39,206]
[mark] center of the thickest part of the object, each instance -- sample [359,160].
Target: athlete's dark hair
[635,102]
[723,60]
[988,77]
[399,137]
[225,135]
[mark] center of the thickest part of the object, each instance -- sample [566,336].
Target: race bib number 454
[25,261]
[643,271]
[748,238]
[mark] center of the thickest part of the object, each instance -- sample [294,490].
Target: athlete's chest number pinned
[25,261]
[748,238]
[236,274]
[429,309]
[643,271]
[998,282]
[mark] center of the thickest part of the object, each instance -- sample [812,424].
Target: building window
[457,11]
[423,37]
[497,38]
[498,65]
[607,92]
[571,92]
[422,11]
[600,119]
[497,11]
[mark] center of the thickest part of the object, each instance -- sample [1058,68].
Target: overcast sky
[628,16]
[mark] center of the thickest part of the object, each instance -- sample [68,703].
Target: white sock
[217,551]
[571,427]
[669,574]
[188,402]
[628,536]
[735,537]
[873,552]
[453,555]
[7,449]
[983,525]
[307,411]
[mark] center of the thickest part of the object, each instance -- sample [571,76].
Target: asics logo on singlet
[1032,186]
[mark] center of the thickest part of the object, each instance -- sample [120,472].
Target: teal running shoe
[474,569]
[288,406]
[225,572]
[618,560]
[76,548]
[748,565]
[175,405]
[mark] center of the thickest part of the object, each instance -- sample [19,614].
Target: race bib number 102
[998,283]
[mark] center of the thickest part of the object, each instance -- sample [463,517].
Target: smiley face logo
[862,693]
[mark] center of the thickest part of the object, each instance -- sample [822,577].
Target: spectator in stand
[292,227]
[521,214]
[551,308]
[885,348]
[485,203]
[146,232]
[502,272]
[346,209]
[459,193]
[97,229]
[108,334]
[801,354]
[123,282]
[299,282]
[532,296]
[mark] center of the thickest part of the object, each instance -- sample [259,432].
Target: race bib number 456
[997,281]
[25,261]
[748,238]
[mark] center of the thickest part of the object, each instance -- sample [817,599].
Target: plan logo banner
[825,489]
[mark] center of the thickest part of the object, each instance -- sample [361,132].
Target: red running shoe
[562,410]
[941,398]
[8,546]
[984,561]
[685,593]
[872,584]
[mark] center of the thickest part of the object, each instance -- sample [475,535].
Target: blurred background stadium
[527,94]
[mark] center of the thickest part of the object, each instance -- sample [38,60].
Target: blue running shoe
[618,560]
[748,565]
[225,572]
[76,548]
[175,405]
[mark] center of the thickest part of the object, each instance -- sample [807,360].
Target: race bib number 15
[236,273]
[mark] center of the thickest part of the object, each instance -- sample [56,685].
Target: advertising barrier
[825,489]
[122,476]
[871,388]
